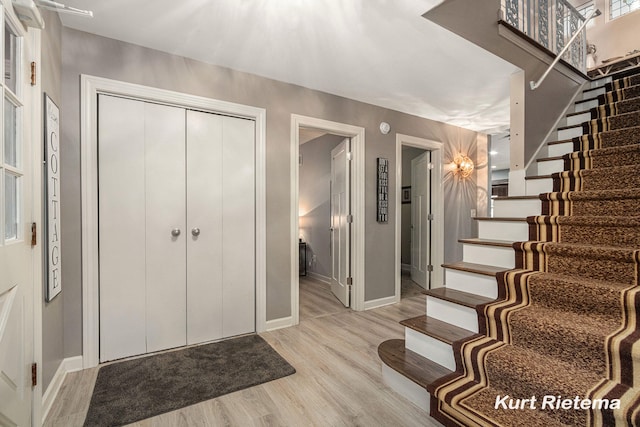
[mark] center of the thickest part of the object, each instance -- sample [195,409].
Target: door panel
[121,152]
[165,212]
[238,233]
[420,209]
[204,212]
[340,229]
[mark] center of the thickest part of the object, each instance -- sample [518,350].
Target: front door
[420,219]
[340,224]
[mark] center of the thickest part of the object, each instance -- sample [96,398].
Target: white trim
[70,364]
[437,197]
[319,277]
[380,302]
[405,267]
[90,87]
[356,133]
[284,322]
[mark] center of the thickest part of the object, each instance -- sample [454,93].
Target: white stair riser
[516,208]
[585,106]
[488,255]
[560,149]
[569,133]
[406,388]
[593,93]
[601,82]
[458,315]
[516,231]
[473,283]
[533,187]
[430,348]
[578,119]
[550,166]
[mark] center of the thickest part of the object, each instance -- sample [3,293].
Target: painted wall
[99,56]
[52,312]
[314,201]
[408,154]
[613,38]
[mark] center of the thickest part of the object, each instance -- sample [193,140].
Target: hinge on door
[349,281]
[33,73]
[349,219]
[34,374]
[349,155]
[430,217]
[429,267]
[34,234]
[429,165]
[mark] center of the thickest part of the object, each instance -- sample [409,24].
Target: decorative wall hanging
[383,189]
[52,190]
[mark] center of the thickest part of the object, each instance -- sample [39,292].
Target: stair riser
[473,283]
[550,166]
[533,187]
[516,208]
[578,119]
[585,106]
[457,315]
[406,388]
[569,133]
[600,82]
[430,348]
[503,230]
[488,255]
[593,93]
[560,149]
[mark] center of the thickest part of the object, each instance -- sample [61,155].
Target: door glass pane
[10,140]
[10,60]
[12,199]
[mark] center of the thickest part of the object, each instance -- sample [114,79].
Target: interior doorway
[420,218]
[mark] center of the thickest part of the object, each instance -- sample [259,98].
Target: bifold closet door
[141,233]
[221,224]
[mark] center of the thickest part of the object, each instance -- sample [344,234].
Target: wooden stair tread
[539,177]
[516,197]
[549,159]
[577,113]
[582,101]
[560,141]
[570,127]
[442,331]
[418,369]
[487,242]
[493,218]
[458,297]
[486,270]
[592,89]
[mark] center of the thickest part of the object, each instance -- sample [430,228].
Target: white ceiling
[377,51]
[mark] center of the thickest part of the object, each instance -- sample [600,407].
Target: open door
[340,223]
[420,219]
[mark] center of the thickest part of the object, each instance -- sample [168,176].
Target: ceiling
[377,51]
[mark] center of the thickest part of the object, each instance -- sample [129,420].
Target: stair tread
[539,177]
[487,242]
[459,297]
[592,89]
[560,141]
[418,369]
[487,270]
[515,197]
[442,331]
[577,113]
[549,159]
[494,218]
[579,125]
[586,100]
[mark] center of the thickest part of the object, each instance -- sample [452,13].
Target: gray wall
[314,201]
[408,154]
[52,313]
[98,56]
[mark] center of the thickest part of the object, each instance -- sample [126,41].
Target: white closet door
[165,226]
[204,227]
[238,226]
[122,227]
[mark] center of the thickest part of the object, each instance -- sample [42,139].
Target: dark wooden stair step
[582,101]
[571,126]
[458,297]
[561,141]
[442,331]
[493,218]
[487,242]
[470,267]
[418,369]
[516,197]
[549,159]
[539,177]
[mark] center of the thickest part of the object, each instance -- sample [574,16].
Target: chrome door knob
[175,232]
[195,231]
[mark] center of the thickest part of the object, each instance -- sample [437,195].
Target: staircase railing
[554,24]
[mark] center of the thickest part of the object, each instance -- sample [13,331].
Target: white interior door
[420,224]
[340,227]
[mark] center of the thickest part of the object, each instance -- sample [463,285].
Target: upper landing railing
[551,23]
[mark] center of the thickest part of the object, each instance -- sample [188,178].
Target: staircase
[543,305]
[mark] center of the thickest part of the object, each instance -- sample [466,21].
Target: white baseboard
[70,364]
[381,302]
[283,322]
[405,268]
[320,277]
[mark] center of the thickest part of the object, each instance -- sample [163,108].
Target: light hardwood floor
[337,383]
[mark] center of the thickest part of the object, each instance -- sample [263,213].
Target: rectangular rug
[133,390]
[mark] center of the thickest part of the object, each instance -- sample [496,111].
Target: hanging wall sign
[52,189]
[383,189]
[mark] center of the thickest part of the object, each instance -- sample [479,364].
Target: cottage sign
[52,163]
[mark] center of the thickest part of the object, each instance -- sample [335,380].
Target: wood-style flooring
[337,383]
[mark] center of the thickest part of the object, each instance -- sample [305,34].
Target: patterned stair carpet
[561,344]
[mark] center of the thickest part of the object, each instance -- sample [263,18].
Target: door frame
[437,198]
[356,133]
[90,87]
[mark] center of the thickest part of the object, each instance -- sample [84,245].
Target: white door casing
[420,210]
[340,227]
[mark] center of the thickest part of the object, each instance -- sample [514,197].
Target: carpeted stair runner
[565,324]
